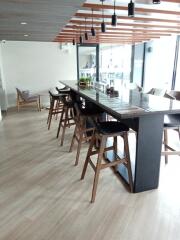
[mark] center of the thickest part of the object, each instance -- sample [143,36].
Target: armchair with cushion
[171,121]
[25,98]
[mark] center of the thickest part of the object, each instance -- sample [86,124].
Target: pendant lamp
[93,32]
[86,34]
[103,25]
[131,9]
[156,1]
[114,16]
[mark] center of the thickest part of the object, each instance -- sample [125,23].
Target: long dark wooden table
[144,113]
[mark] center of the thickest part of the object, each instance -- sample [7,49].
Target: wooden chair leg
[126,147]
[17,102]
[73,139]
[60,123]
[115,150]
[50,114]
[56,107]
[79,147]
[165,144]
[39,102]
[98,168]
[64,126]
[92,143]
[179,132]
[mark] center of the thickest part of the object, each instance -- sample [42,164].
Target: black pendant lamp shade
[114,16]
[86,34]
[103,25]
[131,9]
[93,32]
[74,42]
[156,1]
[80,39]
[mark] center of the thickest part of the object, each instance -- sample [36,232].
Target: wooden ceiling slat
[137,9]
[147,19]
[80,22]
[115,33]
[131,29]
[171,1]
[124,29]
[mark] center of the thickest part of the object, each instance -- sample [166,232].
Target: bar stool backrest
[175,94]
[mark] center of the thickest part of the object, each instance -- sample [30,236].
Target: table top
[129,103]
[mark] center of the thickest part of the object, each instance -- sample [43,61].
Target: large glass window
[159,63]
[177,81]
[115,65]
[87,62]
[138,64]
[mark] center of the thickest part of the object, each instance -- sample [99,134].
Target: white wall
[3,100]
[36,66]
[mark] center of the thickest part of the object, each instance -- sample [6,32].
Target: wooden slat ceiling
[151,21]
[44,18]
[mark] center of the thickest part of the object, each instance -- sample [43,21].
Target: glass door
[88,62]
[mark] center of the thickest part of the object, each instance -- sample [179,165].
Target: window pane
[87,62]
[115,65]
[159,63]
[177,85]
[138,63]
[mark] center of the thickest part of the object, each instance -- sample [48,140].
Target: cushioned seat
[111,127]
[90,111]
[172,120]
[25,98]
[57,96]
[63,90]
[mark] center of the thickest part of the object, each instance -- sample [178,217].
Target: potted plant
[83,82]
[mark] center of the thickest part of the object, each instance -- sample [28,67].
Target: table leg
[146,165]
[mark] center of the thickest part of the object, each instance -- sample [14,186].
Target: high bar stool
[64,90]
[67,118]
[82,131]
[56,106]
[103,131]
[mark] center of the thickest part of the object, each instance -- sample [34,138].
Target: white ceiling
[45,18]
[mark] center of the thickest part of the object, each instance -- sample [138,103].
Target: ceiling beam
[124,29]
[116,33]
[137,9]
[147,19]
[80,22]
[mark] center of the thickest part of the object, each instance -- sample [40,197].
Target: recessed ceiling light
[23,23]
[26,35]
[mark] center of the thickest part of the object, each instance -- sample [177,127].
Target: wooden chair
[103,131]
[83,132]
[157,92]
[170,122]
[56,106]
[67,117]
[25,98]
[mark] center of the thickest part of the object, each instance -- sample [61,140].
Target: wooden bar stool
[63,90]
[103,131]
[56,106]
[82,132]
[67,117]
[172,122]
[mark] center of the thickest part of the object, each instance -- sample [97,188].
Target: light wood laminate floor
[42,198]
